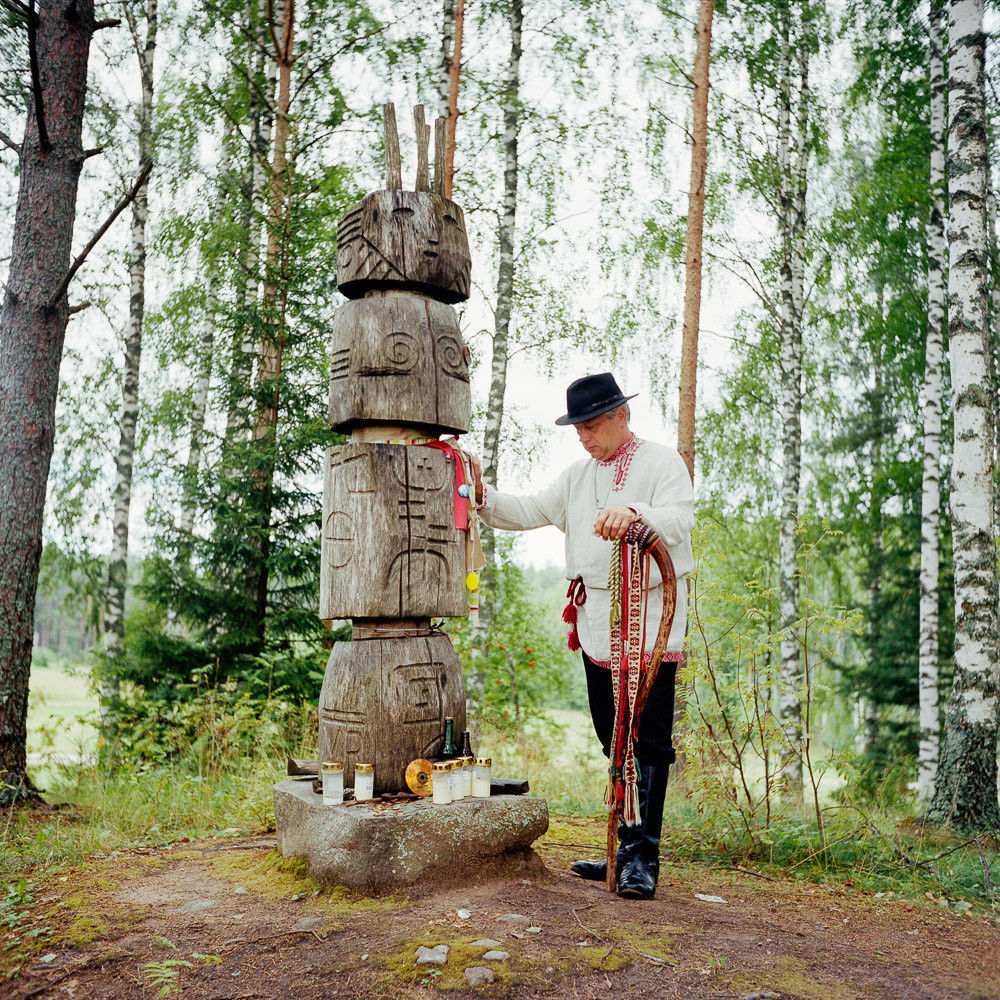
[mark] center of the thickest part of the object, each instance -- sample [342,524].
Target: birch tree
[793,85]
[930,509]
[966,790]
[505,271]
[114,622]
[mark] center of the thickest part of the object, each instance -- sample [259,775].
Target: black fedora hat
[590,396]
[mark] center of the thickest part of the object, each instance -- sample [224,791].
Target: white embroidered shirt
[648,477]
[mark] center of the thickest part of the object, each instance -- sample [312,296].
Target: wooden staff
[648,541]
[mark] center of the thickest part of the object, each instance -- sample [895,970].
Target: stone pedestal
[380,847]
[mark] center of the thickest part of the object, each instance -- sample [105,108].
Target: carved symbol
[420,470]
[346,735]
[462,281]
[453,359]
[399,353]
[419,567]
[340,364]
[338,539]
[414,685]
[343,716]
[351,472]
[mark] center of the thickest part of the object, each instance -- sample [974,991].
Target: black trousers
[657,722]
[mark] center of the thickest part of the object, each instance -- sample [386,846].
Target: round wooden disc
[419,776]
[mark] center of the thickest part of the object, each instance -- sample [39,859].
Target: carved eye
[450,218]
[402,210]
[444,680]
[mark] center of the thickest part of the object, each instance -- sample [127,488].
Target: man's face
[602,435]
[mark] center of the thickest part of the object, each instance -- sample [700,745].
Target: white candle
[364,782]
[481,777]
[468,768]
[441,783]
[457,780]
[333,783]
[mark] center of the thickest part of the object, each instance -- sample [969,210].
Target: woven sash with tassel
[628,581]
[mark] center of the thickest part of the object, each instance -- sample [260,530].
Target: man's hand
[613,522]
[477,472]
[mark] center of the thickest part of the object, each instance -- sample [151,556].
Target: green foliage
[516,671]
[735,744]
[207,727]
[164,976]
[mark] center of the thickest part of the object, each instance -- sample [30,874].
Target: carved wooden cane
[649,541]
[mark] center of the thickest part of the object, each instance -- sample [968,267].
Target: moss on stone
[793,977]
[269,874]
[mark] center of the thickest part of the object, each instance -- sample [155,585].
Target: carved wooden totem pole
[394,545]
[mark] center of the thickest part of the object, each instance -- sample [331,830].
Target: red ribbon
[452,454]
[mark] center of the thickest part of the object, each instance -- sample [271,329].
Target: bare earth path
[228,920]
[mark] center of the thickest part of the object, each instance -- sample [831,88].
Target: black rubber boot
[596,871]
[640,866]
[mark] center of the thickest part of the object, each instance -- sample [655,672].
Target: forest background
[197,355]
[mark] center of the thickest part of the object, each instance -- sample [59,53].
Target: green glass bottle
[449,750]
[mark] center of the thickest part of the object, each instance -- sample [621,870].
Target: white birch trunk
[966,789]
[505,274]
[114,621]
[930,504]
[790,402]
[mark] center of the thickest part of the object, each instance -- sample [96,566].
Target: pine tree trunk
[873,710]
[505,276]
[966,789]
[263,77]
[789,698]
[454,77]
[114,620]
[31,346]
[447,52]
[695,226]
[275,302]
[930,504]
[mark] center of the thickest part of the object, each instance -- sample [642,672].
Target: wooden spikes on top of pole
[423,131]
[393,161]
[441,176]
[393,158]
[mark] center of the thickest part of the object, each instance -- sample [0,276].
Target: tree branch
[17,8]
[36,83]
[269,15]
[9,142]
[79,307]
[109,22]
[96,238]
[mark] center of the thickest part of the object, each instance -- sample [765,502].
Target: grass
[873,847]
[62,711]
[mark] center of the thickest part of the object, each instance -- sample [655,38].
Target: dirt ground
[228,920]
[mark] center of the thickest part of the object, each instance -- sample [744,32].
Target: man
[594,501]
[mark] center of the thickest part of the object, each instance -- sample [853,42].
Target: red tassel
[569,617]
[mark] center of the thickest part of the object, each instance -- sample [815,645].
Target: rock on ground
[479,975]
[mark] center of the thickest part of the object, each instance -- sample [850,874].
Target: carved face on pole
[404,239]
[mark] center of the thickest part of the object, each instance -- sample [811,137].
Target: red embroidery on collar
[621,460]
